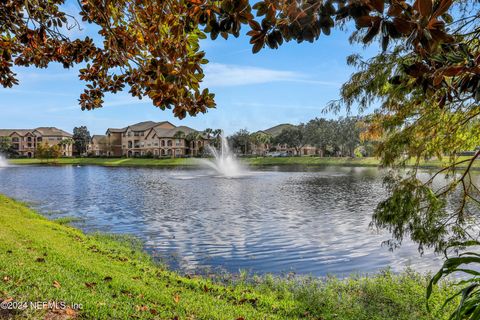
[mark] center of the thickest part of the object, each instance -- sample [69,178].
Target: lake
[273,220]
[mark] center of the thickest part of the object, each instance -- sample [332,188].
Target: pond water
[273,220]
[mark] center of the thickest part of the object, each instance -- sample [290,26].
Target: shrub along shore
[47,261]
[258,161]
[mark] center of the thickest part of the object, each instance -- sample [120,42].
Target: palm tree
[179,135]
[193,136]
[260,140]
[216,134]
[209,132]
[65,143]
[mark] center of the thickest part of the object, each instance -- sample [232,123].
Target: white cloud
[224,75]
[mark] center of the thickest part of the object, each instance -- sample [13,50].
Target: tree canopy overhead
[152,47]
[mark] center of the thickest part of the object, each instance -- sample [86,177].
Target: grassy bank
[42,260]
[111,162]
[260,161]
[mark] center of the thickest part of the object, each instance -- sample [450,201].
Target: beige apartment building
[158,139]
[98,146]
[25,141]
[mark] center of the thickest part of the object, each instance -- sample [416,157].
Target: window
[177,142]
[59,139]
[163,143]
[15,139]
[29,139]
[51,139]
[39,139]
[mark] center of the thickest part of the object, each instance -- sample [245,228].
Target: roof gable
[115,130]
[52,131]
[165,125]
[142,126]
[19,132]
[97,138]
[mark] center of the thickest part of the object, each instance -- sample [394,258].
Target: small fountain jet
[3,162]
[224,161]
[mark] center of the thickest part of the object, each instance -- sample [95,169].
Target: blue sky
[291,84]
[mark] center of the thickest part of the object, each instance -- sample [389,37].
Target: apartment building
[158,139]
[98,146]
[25,141]
[264,149]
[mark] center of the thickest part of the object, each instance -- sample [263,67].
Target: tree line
[344,137]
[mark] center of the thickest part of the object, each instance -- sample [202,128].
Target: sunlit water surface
[269,221]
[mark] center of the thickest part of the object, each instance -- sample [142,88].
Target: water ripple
[312,222]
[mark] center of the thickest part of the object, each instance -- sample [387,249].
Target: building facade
[156,139]
[25,141]
[98,146]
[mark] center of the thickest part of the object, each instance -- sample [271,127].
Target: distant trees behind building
[81,138]
[6,147]
[345,136]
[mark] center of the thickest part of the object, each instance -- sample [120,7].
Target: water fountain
[224,161]
[3,162]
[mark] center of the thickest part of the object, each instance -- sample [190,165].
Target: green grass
[41,260]
[66,220]
[344,161]
[111,162]
[314,161]
[259,161]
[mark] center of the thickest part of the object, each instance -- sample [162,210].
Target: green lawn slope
[47,261]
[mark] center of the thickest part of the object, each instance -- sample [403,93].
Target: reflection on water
[276,221]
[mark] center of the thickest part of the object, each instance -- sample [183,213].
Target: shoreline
[111,277]
[253,162]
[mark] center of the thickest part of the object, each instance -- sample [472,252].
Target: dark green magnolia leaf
[378,5]
[442,7]
[424,7]
[402,25]
[385,40]
[372,31]
[364,22]
[257,46]
[394,10]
